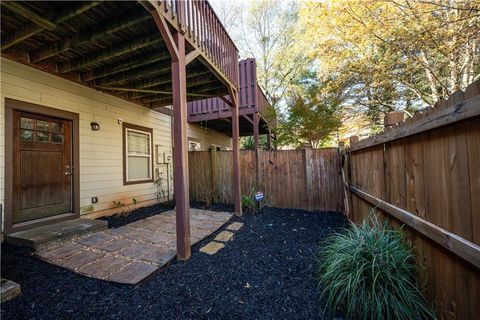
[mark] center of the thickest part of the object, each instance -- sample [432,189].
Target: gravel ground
[266,272]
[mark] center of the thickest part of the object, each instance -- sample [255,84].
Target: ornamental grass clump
[369,272]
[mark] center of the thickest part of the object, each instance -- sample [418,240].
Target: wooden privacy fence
[303,179]
[425,173]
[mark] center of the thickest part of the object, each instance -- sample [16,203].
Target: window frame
[126,127]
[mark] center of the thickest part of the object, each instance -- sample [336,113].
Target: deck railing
[250,94]
[204,31]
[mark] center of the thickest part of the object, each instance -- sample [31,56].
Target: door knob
[68,172]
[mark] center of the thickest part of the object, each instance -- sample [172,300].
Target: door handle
[68,172]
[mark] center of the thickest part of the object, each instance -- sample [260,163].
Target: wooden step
[57,231]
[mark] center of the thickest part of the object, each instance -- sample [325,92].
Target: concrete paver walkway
[132,252]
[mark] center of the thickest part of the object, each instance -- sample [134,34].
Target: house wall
[101,171]
[208,137]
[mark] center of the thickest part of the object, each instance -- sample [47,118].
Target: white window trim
[195,142]
[149,156]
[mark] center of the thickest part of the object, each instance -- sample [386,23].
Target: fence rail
[425,173]
[304,179]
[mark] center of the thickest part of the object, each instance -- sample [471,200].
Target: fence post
[393,118]
[258,153]
[213,178]
[308,154]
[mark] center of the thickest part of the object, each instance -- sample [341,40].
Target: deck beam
[111,52]
[116,69]
[89,35]
[34,28]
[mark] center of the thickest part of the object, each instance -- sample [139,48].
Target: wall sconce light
[95,126]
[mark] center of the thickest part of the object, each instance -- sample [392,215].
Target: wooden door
[42,166]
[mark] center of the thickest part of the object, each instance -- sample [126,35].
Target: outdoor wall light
[95,126]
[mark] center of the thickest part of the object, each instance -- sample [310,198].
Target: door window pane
[57,138]
[27,135]
[42,136]
[57,127]
[26,123]
[43,125]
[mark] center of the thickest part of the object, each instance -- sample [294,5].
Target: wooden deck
[116,47]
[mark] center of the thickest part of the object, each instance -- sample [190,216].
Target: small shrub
[161,185]
[206,193]
[248,204]
[118,204]
[369,272]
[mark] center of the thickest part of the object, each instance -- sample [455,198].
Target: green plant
[369,272]
[134,201]
[249,203]
[206,194]
[118,204]
[161,185]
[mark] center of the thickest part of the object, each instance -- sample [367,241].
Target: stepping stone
[133,273]
[235,226]
[224,236]
[137,250]
[212,247]
[59,251]
[114,245]
[8,290]
[95,239]
[148,236]
[79,260]
[160,256]
[103,267]
[122,231]
[199,233]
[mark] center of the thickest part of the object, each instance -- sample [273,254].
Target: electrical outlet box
[163,154]
[94,199]
[167,157]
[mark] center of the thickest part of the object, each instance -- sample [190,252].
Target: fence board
[282,175]
[431,170]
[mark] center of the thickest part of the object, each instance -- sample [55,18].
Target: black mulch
[266,272]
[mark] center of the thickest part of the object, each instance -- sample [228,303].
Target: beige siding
[207,137]
[101,172]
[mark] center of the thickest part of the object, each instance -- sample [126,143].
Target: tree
[397,54]
[248,143]
[314,115]
[267,30]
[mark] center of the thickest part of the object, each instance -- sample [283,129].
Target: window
[193,146]
[45,131]
[137,154]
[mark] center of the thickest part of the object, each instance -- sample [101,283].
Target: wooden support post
[176,47]
[179,81]
[256,120]
[236,151]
